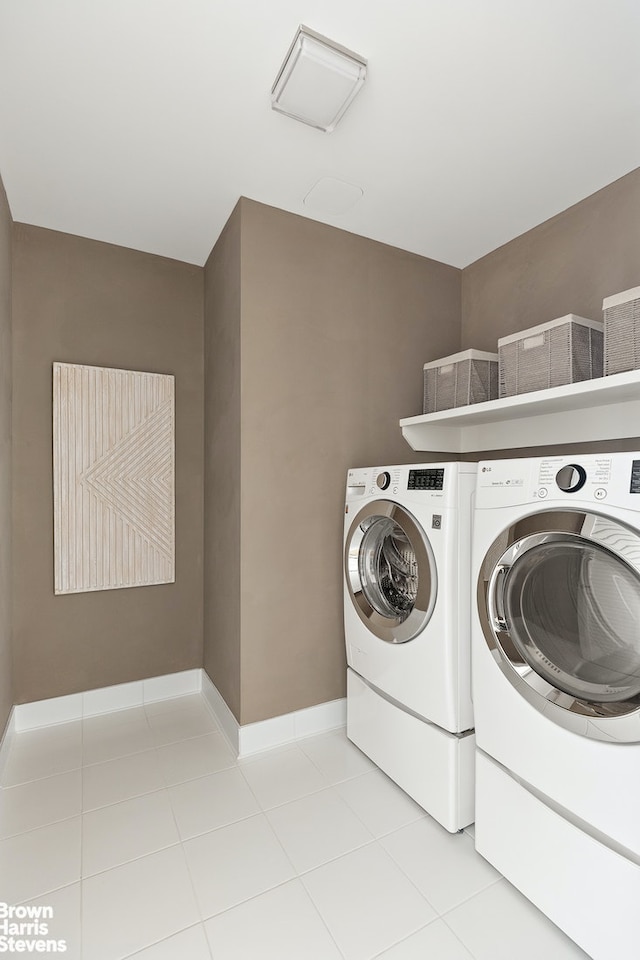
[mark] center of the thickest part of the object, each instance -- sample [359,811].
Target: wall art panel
[113,478]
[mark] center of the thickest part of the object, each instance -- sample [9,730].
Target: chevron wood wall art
[113,478]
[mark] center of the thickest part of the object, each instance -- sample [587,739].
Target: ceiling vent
[332,197]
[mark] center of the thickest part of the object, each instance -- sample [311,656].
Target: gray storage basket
[456,381]
[622,331]
[566,350]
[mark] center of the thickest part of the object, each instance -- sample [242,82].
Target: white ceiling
[141,122]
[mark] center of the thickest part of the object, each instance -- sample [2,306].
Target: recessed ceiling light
[318,80]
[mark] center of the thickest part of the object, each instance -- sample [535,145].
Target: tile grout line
[261,812]
[236,764]
[277,886]
[471,896]
[441,914]
[186,863]
[419,930]
[191,926]
[455,934]
[322,920]
[179,842]
[298,875]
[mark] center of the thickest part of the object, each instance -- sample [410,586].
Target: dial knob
[571,478]
[383,479]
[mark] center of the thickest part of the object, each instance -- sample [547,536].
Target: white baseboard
[277,731]
[91,703]
[245,740]
[218,706]
[5,742]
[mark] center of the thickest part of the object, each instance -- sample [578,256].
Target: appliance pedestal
[586,888]
[433,766]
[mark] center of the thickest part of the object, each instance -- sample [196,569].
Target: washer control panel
[428,479]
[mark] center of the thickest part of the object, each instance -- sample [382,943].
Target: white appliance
[406,612]
[556,688]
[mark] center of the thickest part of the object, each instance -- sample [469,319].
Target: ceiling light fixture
[317,81]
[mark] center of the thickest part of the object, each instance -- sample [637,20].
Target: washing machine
[556,688]
[407,630]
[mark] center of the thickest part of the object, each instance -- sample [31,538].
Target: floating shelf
[604,409]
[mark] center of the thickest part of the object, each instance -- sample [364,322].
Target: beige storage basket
[622,331]
[551,354]
[463,378]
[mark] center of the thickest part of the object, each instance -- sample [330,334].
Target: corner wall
[80,301]
[6,666]
[331,331]
[335,331]
[222,441]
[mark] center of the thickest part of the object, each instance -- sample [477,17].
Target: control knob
[571,478]
[383,479]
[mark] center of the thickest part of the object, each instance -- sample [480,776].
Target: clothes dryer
[406,612]
[556,688]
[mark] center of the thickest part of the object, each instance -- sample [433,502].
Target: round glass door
[561,611]
[390,571]
[573,610]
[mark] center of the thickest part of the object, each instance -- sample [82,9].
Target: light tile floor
[148,839]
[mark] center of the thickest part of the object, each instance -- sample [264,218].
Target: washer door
[559,601]
[390,571]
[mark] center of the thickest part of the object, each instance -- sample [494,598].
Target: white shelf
[604,409]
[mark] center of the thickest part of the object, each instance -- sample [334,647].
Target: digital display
[635,477]
[426,479]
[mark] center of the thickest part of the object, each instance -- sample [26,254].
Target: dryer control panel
[591,475]
[607,478]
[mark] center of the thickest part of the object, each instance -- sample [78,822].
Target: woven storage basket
[463,378]
[561,351]
[622,331]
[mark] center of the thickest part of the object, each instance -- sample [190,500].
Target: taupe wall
[315,340]
[6,667]
[334,330]
[222,465]
[80,301]
[566,265]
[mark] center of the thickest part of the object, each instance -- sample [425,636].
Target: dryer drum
[559,609]
[573,610]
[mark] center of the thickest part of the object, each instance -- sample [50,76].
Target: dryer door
[390,571]
[559,601]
